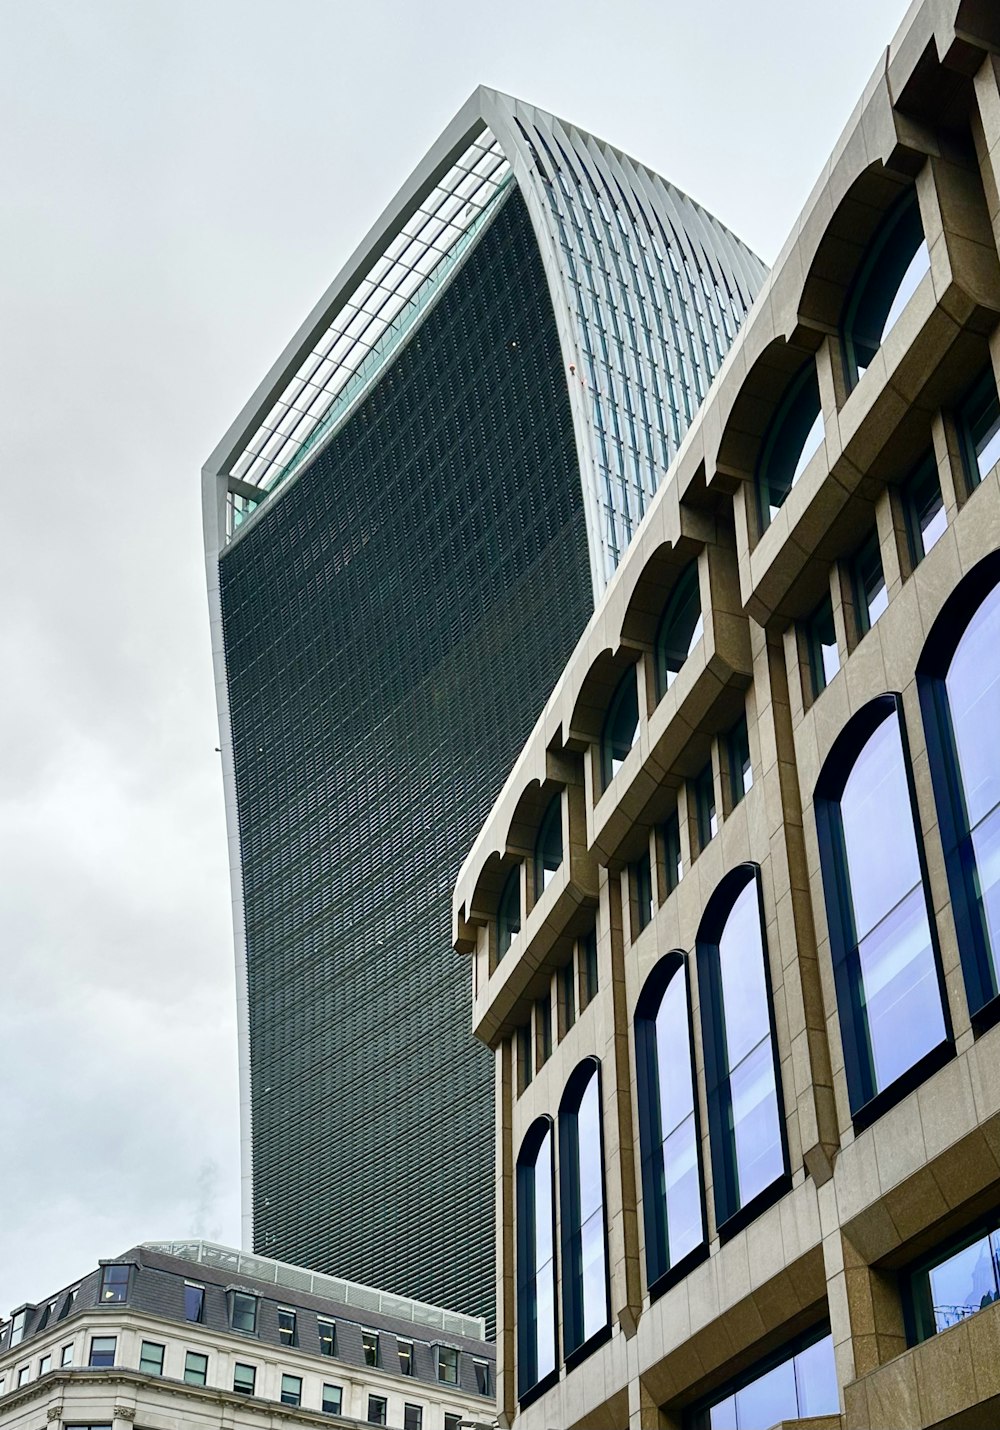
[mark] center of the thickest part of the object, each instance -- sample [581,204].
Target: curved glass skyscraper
[421,502]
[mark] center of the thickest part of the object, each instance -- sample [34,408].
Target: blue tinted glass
[672,1054]
[545,1292]
[768,1400]
[963,1284]
[816,1380]
[682,1190]
[756,1130]
[595,1312]
[919,265]
[723,1415]
[974,698]
[588,1121]
[744,991]
[881,847]
[902,999]
[543,1203]
[986,846]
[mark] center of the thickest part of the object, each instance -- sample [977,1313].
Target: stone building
[734,920]
[176,1335]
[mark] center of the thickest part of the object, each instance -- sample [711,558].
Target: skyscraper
[421,503]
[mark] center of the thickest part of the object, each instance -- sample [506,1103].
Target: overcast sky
[181,180]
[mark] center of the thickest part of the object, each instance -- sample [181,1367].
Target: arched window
[548,845]
[668,1123]
[509,912]
[959,679]
[621,726]
[586,1305]
[680,629]
[746,1127]
[889,993]
[536,1263]
[896,261]
[791,440]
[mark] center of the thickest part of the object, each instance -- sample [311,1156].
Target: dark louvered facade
[394,621]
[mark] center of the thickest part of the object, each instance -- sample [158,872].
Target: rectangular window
[821,640]
[951,1287]
[151,1358]
[673,864]
[543,1028]
[44,1318]
[291,1390]
[17,1326]
[195,1368]
[194,1302]
[979,424]
[24,1375]
[327,1331]
[44,1365]
[447,1365]
[588,963]
[413,1417]
[483,1378]
[244,1312]
[870,595]
[704,803]
[405,1356]
[67,1355]
[524,1063]
[798,1387]
[740,768]
[567,995]
[452,1422]
[114,1284]
[102,1350]
[287,1329]
[641,881]
[376,1409]
[924,506]
[244,1379]
[369,1344]
[333,1399]
[69,1302]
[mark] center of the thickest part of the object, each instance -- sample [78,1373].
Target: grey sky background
[181,180]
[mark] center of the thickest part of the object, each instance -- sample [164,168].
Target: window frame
[977,392]
[383,1413]
[243,1389]
[193,1370]
[781,443]
[661,1273]
[371,1348]
[525,1236]
[241,1296]
[549,826]
[328,1386]
[866,1104]
[199,1319]
[575,1345]
[156,1345]
[627,689]
[108,1292]
[732,1215]
[326,1334]
[286,1330]
[925,470]
[863,619]
[666,658]
[92,1351]
[899,215]
[287,1395]
[508,924]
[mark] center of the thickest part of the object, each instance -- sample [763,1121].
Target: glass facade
[536,1267]
[956,1284]
[581,1196]
[797,1387]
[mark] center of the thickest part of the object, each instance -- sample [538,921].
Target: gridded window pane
[195,1368]
[194,1302]
[925,517]
[536,1346]
[792,440]
[447,1365]
[151,1358]
[102,1350]
[244,1312]
[327,1333]
[821,639]
[244,1379]
[377,1406]
[621,726]
[114,1283]
[333,1399]
[681,627]
[979,422]
[870,595]
[548,846]
[291,1390]
[642,889]
[509,912]
[889,997]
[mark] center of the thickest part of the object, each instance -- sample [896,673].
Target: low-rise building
[735,917]
[174,1335]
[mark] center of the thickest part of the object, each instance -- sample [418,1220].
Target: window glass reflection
[548,846]
[681,628]
[792,440]
[585,1295]
[802,1385]
[621,726]
[896,262]
[925,514]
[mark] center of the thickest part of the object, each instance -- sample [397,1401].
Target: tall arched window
[746,1126]
[959,679]
[621,726]
[536,1264]
[668,1124]
[586,1305]
[548,845]
[896,261]
[889,993]
[681,628]
[509,912]
[793,437]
